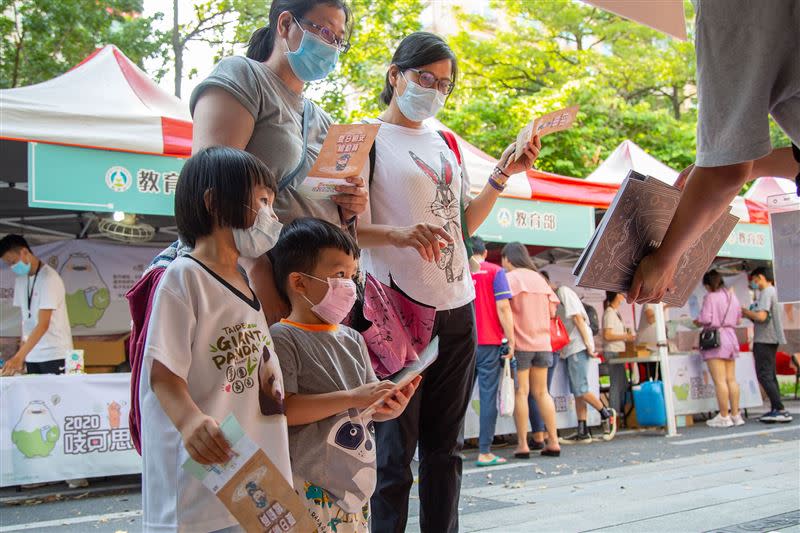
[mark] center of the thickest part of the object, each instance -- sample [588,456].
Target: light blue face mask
[418,103]
[314,59]
[21,269]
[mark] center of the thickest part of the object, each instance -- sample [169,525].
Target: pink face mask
[337,302]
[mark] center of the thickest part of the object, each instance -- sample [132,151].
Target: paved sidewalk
[717,491]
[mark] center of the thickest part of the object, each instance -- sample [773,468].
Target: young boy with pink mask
[327,376]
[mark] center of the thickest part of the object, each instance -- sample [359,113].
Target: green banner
[748,241]
[84,179]
[538,223]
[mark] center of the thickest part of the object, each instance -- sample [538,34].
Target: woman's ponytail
[261,43]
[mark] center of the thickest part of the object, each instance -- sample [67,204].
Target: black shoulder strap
[372,162]
[796,153]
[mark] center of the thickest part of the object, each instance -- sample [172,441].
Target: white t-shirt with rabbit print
[417,179]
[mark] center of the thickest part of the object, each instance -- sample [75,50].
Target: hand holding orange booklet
[343,155]
[550,123]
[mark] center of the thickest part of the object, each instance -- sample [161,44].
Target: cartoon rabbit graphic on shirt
[445,205]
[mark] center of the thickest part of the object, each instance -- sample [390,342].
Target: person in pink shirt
[533,304]
[721,310]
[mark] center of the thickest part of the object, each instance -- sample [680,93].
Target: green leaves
[44,38]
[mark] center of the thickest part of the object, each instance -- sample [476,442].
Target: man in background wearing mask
[40,295]
[765,314]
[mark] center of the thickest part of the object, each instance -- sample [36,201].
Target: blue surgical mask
[21,269]
[314,59]
[418,103]
[754,285]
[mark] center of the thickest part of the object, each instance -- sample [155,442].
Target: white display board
[54,428]
[96,277]
[693,388]
[563,399]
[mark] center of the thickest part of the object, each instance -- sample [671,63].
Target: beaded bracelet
[496,186]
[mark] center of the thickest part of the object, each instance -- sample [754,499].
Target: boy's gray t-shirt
[337,453]
[771,331]
[277,137]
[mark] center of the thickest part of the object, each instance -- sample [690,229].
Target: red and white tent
[104,102]
[629,156]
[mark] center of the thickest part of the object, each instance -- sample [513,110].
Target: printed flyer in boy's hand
[343,155]
[252,487]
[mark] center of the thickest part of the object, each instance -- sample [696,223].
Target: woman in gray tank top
[256,103]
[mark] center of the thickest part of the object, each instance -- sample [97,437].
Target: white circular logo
[504,217]
[118,179]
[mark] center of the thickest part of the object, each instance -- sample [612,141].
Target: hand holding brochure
[426,358]
[545,125]
[343,155]
[252,487]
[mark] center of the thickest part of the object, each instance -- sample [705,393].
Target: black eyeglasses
[428,81]
[326,35]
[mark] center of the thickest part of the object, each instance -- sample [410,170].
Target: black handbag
[709,337]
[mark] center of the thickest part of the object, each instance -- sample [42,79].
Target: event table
[54,428]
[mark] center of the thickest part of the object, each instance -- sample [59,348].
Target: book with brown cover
[633,227]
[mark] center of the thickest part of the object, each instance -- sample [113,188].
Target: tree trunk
[177,48]
[676,102]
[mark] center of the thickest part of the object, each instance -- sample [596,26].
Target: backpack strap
[796,153]
[372,152]
[451,142]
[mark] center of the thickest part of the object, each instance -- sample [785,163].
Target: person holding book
[615,335]
[208,352]
[534,304]
[721,311]
[256,103]
[494,322]
[742,80]
[419,213]
[768,335]
[327,376]
[576,356]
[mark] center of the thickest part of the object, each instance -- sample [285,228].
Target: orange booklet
[343,155]
[544,125]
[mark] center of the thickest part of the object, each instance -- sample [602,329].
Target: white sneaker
[738,420]
[79,483]
[720,421]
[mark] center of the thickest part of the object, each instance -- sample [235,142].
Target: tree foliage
[45,38]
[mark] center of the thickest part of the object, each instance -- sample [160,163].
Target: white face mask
[418,103]
[259,238]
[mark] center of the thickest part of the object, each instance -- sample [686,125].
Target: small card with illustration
[73,362]
[546,124]
[343,155]
[252,487]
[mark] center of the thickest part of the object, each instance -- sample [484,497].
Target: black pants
[434,418]
[56,366]
[764,354]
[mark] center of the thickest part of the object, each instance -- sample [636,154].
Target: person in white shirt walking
[40,295]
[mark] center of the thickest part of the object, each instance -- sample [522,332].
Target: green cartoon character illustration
[88,296]
[36,432]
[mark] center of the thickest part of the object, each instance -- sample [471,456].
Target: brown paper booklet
[546,124]
[343,155]
[252,488]
[634,226]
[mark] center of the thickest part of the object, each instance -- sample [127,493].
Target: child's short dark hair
[230,175]
[13,243]
[300,245]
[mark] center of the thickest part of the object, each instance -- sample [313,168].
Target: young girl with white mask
[257,104]
[411,233]
[208,351]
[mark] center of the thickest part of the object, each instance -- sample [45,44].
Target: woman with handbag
[420,210]
[720,313]
[533,305]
